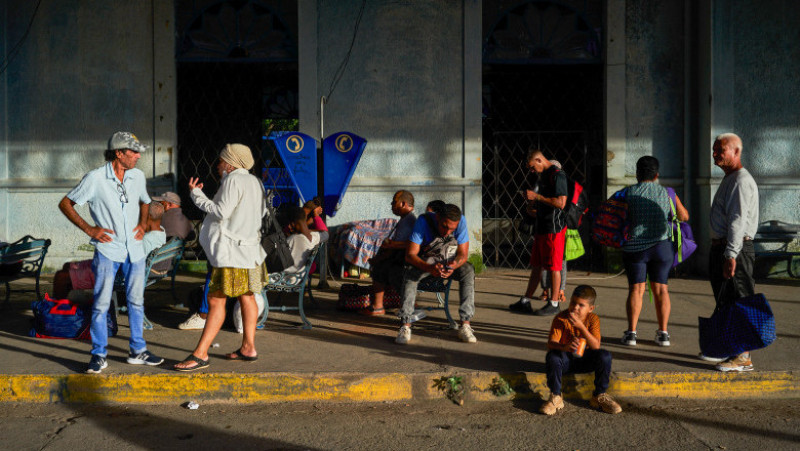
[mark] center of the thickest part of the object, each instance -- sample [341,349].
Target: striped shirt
[734,211]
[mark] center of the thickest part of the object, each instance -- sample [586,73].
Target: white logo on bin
[294,143]
[344,143]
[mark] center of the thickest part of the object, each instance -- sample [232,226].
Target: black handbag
[274,242]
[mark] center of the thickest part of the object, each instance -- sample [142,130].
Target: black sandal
[240,356]
[192,358]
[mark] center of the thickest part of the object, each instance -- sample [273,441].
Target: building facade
[450,95]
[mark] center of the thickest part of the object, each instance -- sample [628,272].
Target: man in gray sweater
[734,222]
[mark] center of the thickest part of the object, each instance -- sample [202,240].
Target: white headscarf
[238,156]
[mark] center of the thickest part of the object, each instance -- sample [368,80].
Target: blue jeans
[464,274]
[559,363]
[105,271]
[204,304]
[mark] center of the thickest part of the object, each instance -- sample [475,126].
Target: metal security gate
[542,88]
[505,176]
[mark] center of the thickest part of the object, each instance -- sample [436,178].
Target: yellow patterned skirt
[234,282]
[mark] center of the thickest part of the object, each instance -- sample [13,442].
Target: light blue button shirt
[104,193]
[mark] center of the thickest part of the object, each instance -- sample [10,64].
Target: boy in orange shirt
[567,329]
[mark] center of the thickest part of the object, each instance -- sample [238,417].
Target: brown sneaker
[741,362]
[553,405]
[606,402]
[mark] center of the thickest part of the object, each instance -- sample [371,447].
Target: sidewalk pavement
[349,357]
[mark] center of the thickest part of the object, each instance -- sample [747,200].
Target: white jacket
[231,232]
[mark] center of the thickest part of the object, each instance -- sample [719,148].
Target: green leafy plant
[477,262]
[452,387]
[500,387]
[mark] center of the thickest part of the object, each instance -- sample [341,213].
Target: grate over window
[236,29]
[542,32]
[557,109]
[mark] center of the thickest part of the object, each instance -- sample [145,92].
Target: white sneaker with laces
[629,338]
[466,334]
[404,336]
[194,322]
[662,338]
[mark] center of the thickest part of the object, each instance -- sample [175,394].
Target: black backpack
[577,204]
[274,242]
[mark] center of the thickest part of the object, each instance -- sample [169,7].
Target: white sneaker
[194,322]
[702,356]
[662,338]
[466,335]
[629,338]
[404,336]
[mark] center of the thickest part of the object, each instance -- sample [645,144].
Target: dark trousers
[559,363]
[741,284]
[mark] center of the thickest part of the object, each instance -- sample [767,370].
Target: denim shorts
[655,262]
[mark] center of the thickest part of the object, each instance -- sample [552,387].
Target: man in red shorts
[548,246]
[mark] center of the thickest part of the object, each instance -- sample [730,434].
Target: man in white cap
[119,205]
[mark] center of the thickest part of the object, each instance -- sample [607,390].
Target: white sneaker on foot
[702,356]
[194,322]
[662,338]
[404,336]
[629,338]
[466,334]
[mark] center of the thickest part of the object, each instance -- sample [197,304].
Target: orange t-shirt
[561,331]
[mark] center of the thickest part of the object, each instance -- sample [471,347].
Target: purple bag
[682,237]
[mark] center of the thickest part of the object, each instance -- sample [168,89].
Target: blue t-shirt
[423,234]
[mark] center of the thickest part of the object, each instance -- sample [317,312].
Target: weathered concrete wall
[85,70]
[655,85]
[404,89]
[766,57]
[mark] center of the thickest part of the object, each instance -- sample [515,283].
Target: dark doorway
[222,102]
[542,88]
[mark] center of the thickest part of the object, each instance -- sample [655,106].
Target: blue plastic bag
[743,326]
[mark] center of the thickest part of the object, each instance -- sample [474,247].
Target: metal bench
[290,282]
[781,234]
[171,252]
[28,254]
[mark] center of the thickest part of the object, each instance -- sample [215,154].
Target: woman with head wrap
[230,237]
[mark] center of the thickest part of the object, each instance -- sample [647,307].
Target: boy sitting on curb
[568,327]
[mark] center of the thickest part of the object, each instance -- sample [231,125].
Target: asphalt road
[650,424]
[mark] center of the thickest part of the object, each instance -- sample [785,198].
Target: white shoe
[404,336]
[466,335]
[194,322]
[711,359]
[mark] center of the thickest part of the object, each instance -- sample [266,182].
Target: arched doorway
[237,78]
[542,87]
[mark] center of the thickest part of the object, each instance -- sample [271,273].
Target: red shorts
[548,250]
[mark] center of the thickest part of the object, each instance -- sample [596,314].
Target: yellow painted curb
[707,385]
[215,387]
[281,387]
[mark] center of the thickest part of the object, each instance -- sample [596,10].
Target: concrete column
[715,86]
[472,92]
[308,94]
[165,96]
[615,96]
